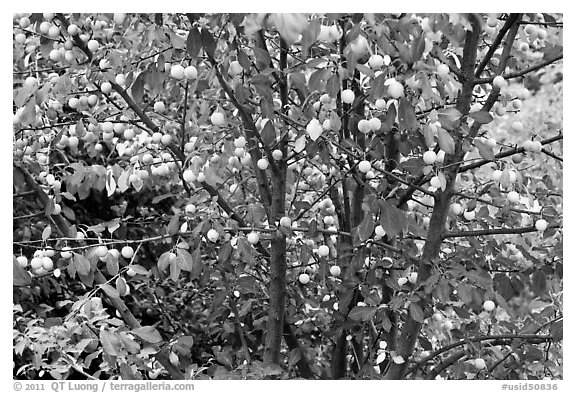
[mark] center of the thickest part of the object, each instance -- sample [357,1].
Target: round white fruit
[541,225]
[479,364]
[499,82]
[442,70]
[304,278]
[364,166]
[513,197]
[380,104]
[335,271]
[212,235]
[429,157]
[253,237]
[177,71]
[396,90]
[323,250]
[286,222]
[376,61]
[347,96]
[489,305]
[127,252]
[190,72]
[379,231]
[189,176]
[470,215]
[262,163]
[456,208]
[217,118]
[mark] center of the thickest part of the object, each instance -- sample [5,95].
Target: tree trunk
[411,328]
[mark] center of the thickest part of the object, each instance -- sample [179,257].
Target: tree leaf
[416,312]
[539,282]
[484,150]
[392,219]
[46,232]
[366,228]
[20,276]
[82,264]
[111,264]
[557,331]
[110,182]
[196,263]
[174,224]
[294,357]
[449,117]
[137,88]
[208,42]
[148,333]
[244,60]
[164,261]
[268,134]
[262,58]
[193,43]
[184,260]
[417,48]
[481,117]
[110,342]
[123,181]
[139,269]
[407,116]
[446,141]
[362,313]
[110,291]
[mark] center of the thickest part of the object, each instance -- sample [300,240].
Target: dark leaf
[392,219]
[333,86]
[294,357]
[481,117]
[416,312]
[557,331]
[193,43]
[407,116]
[137,88]
[262,58]
[362,313]
[244,60]
[539,283]
[425,343]
[174,225]
[208,42]
[417,48]
[196,263]
[366,228]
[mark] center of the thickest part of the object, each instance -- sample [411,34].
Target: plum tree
[313,195]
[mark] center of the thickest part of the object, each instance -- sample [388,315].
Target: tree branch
[507,25]
[507,153]
[522,72]
[494,231]
[445,364]
[530,338]
[252,138]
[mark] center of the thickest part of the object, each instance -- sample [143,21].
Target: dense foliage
[287,195]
